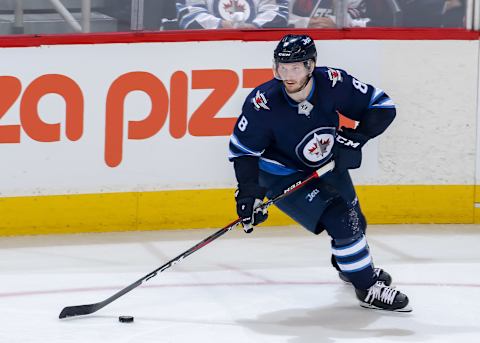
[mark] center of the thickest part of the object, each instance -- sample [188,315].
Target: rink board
[215,209]
[138,139]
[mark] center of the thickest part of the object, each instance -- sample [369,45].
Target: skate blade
[407,308]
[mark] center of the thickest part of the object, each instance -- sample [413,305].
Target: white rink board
[432,141]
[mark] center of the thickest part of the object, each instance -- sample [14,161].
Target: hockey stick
[72,311]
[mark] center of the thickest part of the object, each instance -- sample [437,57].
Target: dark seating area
[44,16]
[41,16]
[384,13]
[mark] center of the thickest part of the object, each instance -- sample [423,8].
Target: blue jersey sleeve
[251,135]
[364,103]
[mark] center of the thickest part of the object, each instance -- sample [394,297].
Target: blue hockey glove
[348,149]
[249,197]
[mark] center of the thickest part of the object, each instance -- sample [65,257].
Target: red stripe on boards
[233,35]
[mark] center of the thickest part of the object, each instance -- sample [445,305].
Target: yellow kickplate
[215,208]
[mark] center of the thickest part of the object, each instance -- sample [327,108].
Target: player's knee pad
[343,220]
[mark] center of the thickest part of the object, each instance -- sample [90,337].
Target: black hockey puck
[125,319]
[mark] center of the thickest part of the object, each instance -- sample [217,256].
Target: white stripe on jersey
[234,140]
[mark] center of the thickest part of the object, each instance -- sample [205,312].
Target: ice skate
[382,297]
[382,275]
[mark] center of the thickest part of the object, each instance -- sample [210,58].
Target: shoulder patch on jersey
[334,76]
[260,101]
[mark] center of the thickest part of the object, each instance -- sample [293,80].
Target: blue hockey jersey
[208,14]
[288,137]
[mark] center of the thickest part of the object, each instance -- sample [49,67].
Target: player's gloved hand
[249,197]
[348,149]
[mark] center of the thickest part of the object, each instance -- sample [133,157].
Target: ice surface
[275,285]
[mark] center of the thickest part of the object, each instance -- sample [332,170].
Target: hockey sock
[354,260]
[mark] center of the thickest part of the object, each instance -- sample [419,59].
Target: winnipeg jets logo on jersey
[259,101]
[334,76]
[316,147]
[233,10]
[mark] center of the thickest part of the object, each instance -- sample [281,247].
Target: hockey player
[288,128]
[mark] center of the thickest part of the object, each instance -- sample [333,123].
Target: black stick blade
[81,310]
[72,311]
